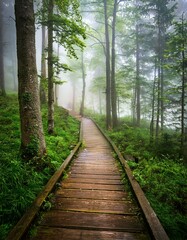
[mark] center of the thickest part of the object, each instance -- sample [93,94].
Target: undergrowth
[160,172]
[20,181]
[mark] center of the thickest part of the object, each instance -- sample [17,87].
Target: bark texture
[113,69]
[32,137]
[2,83]
[50,70]
[43,67]
[108,79]
[84,85]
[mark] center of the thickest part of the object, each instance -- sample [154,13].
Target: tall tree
[43,61]
[32,137]
[50,69]
[2,80]
[113,67]
[84,85]
[65,28]
[177,56]
[162,19]
[108,76]
[183,34]
[137,88]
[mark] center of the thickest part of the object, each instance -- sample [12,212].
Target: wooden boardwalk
[92,203]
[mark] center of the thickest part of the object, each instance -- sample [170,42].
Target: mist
[69,93]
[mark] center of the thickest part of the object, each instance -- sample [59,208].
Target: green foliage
[58,67]
[132,140]
[67,24]
[165,184]
[176,44]
[21,181]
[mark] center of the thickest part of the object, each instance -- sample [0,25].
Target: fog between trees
[144,57]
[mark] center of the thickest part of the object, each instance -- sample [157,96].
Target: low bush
[165,183]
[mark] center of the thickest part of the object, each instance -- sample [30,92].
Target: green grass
[165,183]
[20,181]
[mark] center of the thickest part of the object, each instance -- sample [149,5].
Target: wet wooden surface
[92,202]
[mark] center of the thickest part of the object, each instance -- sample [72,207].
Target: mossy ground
[21,181]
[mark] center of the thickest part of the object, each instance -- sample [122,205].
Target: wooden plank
[95,168]
[95,180]
[95,163]
[92,221]
[89,156]
[97,206]
[91,194]
[95,176]
[92,186]
[90,171]
[47,233]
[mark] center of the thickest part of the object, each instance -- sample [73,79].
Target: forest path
[92,202]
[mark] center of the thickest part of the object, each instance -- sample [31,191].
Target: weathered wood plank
[90,171]
[47,233]
[92,221]
[94,163]
[95,176]
[91,194]
[95,168]
[95,180]
[97,206]
[92,186]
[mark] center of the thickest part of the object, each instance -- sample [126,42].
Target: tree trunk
[43,64]
[137,77]
[13,50]
[113,80]
[152,125]
[50,69]
[161,48]
[74,92]
[100,102]
[183,103]
[84,86]
[14,66]
[161,93]
[133,105]
[158,104]
[56,85]
[108,80]
[2,81]
[32,137]
[159,79]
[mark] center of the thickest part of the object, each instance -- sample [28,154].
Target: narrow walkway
[92,203]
